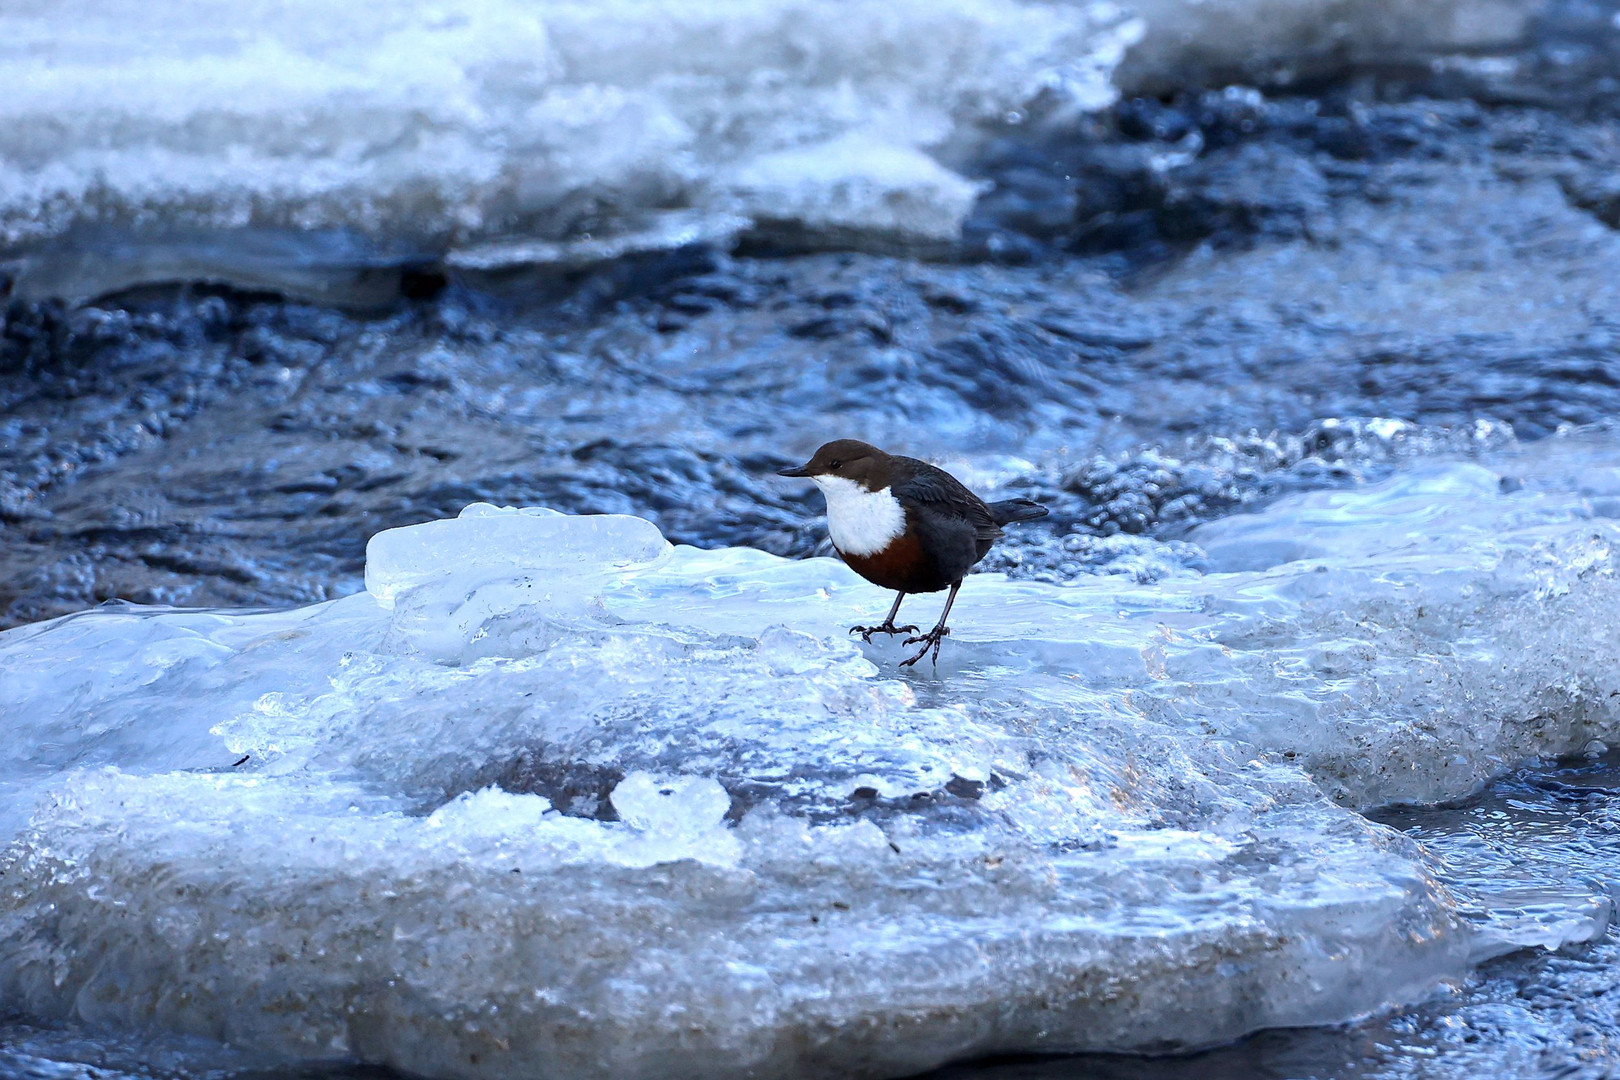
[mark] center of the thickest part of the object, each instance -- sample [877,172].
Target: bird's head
[847,459]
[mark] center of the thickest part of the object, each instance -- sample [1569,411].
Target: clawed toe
[866,632]
[930,644]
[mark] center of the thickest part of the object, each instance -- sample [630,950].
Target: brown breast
[902,566]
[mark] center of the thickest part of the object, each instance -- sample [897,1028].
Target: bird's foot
[866,632]
[930,644]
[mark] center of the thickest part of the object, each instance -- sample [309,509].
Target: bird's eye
[835,464]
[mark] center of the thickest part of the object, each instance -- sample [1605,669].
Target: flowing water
[1281,748]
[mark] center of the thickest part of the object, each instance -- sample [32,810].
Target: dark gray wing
[937,490]
[1008,511]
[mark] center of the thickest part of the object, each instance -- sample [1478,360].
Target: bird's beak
[797,470]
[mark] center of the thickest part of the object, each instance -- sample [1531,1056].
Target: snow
[553,798]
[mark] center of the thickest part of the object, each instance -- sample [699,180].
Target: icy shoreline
[722,840]
[318,149]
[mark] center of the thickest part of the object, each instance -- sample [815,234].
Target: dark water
[1144,345]
[1337,279]
[224,449]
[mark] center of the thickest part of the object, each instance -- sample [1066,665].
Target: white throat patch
[861,522]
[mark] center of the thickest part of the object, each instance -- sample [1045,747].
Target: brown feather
[902,566]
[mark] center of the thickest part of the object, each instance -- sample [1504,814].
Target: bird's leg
[888,626]
[930,641]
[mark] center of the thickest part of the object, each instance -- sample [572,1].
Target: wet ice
[304,136]
[552,796]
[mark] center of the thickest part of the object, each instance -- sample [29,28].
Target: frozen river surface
[1290,726]
[552,796]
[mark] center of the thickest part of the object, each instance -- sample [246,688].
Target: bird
[906,525]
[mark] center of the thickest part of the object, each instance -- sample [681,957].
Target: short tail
[1008,511]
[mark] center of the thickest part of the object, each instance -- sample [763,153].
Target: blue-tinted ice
[554,798]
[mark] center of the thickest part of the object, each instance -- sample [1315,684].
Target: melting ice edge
[554,797]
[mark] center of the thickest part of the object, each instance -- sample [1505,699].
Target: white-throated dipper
[906,525]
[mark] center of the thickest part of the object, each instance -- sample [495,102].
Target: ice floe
[554,797]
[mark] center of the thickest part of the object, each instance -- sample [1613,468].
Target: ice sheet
[311,146]
[503,125]
[553,798]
